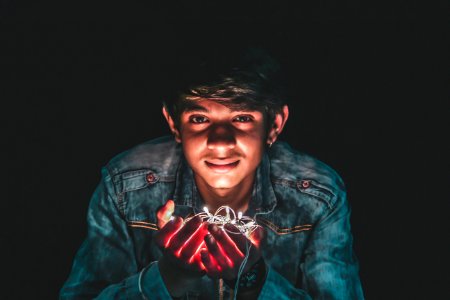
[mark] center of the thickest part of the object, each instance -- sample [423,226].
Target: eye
[243,119]
[198,119]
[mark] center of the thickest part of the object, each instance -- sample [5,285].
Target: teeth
[222,164]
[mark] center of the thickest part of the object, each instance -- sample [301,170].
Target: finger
[166,233]
[193,245]
[227,242]
[197,260]
[257,236]
[217,253]
[239,239]
[184,234]
[211,267]
[255,252]
[165,213]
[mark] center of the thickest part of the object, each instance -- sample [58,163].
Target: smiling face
[223,146]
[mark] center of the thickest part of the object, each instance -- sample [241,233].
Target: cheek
[253,147]
[192,152]
[192,142]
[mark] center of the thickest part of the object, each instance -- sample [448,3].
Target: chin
[222,184]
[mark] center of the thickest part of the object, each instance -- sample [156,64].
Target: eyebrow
[192,107]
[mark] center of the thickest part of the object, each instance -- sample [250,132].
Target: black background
[81,82]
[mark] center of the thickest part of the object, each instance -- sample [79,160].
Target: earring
[270,144]
[175,137]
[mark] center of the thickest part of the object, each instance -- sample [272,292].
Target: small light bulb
[239,215]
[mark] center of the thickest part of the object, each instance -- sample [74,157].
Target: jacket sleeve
[105,266]
[329,268]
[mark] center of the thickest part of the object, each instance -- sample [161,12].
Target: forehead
[217,105]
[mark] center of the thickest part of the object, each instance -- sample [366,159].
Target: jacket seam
[119,196]
[281,231]
[141,224]
[112,180]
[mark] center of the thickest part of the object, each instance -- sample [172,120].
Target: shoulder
[305,173]
[160,156]
[141,179]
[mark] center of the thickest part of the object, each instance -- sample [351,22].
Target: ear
[172,126]
[278,125]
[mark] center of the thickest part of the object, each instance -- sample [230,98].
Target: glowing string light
[245,224]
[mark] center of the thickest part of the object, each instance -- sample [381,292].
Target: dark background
[81,82]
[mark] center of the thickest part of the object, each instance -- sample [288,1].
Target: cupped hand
[180,240]
[226,250]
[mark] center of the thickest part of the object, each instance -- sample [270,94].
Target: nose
[221,137]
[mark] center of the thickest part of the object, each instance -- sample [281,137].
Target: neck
[238,197]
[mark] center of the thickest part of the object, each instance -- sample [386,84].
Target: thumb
[257,236]
[165,213]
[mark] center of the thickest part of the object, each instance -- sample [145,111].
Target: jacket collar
[263,196]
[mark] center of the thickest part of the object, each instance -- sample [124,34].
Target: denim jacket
[299,200]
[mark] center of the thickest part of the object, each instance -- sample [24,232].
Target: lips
[222,166]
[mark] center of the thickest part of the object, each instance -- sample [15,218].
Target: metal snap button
[151,178]
[305,184]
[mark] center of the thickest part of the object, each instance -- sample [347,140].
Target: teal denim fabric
[299,200]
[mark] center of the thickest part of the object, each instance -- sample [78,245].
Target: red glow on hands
[165,213]
[196,259]
[254,241]
[226,248]
[169,238]
[215,263]
[166,233]
[178,253]
[197,252]
[229,261]
[202,266]
[199,245]
[257,236]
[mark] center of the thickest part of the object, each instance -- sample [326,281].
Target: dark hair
[244,80]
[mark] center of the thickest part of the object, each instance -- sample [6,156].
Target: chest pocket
[286,238]
[140,194]
[300,205]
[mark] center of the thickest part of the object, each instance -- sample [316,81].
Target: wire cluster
[245,224]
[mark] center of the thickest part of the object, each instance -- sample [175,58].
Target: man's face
[223,147]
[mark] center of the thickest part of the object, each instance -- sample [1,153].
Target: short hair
[249,79]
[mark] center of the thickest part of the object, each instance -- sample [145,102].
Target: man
[145,238]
